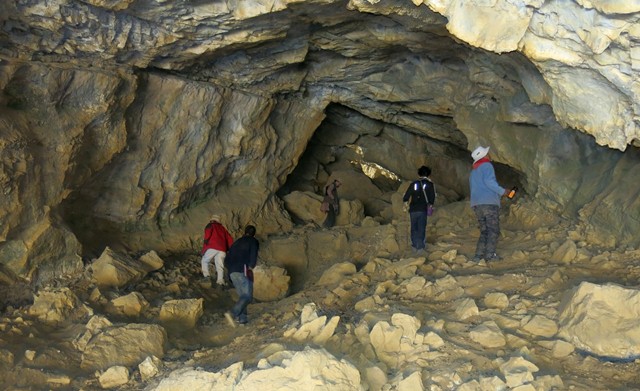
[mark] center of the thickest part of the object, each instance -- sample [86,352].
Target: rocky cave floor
[470,320]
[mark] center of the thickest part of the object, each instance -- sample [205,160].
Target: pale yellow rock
[181,313]
[541,326]
[465,309]
[149,367]
[123,345]
[413,382]
[271,283]
[376,378]
[489,335]
[518,371]
[152,261]
[496,300]
[116,270]
[336,273]
[114,377]
[601,319]
[57,305]
[132,304]
[565,253]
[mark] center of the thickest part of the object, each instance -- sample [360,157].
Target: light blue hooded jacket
[484,186]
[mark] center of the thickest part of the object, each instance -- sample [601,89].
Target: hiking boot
[493,257]
[477,259]
[229,318]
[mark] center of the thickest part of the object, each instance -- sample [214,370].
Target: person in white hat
[485,202]
[217,242]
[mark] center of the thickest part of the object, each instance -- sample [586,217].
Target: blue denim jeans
[244,288]
[489,222]
[418,229]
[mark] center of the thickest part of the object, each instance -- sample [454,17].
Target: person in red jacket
[217,242]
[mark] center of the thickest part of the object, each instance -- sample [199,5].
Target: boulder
[337,273]
[313,327]
[541,326]
[114,377]
[56,305]
[310,369]
[602,319]
[125,345]
[149,367]
[488,335]
[271,283]
[518,371]
[132,304]
[181,313]
[117,270]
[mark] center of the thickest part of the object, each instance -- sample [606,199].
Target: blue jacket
[484,186]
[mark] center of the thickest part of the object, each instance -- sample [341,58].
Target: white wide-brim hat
[479,153]
[215,217]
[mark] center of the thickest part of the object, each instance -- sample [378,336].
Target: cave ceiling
[134,112]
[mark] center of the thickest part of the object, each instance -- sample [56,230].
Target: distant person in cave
[485,202]
[241,259]
[217,242]
[420,194]
[331,203]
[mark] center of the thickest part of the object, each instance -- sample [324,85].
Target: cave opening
[373,159]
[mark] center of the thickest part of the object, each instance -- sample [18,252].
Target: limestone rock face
[601,319]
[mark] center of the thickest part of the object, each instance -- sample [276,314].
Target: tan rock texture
[130,124]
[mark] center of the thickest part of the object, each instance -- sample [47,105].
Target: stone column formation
[126,121]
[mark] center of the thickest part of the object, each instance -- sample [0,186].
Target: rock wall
[127,124]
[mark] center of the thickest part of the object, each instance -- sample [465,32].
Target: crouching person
[240,261]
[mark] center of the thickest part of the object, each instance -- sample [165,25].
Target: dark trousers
[331,217]
[489,222]
[418,229]
[244,289]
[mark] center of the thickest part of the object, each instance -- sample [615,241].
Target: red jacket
[216,237]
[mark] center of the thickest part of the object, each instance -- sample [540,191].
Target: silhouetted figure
[331,203]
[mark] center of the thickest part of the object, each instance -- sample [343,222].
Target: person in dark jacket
[331,203]
[420,194]
[217,241]
[240,261]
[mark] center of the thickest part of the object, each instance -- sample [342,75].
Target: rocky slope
[125,123]
[556,313]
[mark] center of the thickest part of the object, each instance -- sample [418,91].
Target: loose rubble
[546,317]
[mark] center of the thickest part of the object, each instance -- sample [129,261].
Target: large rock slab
[125,345]
[116,270]
[603,320]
